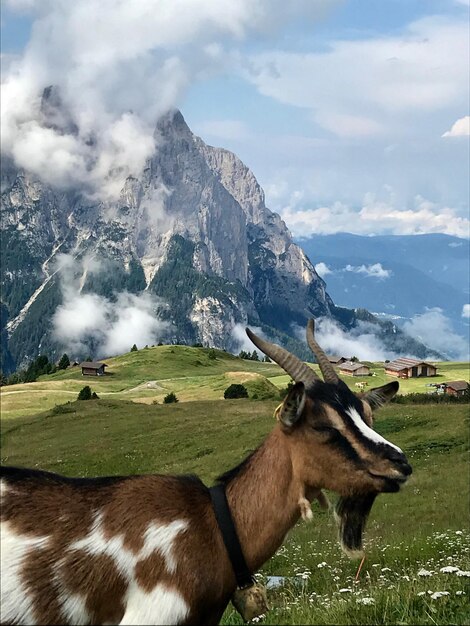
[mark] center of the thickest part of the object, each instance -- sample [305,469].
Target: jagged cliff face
[193,229]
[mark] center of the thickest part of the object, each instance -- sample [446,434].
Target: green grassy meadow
[148,375]
[411,535]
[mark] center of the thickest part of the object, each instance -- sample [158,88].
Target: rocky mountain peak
[192,229]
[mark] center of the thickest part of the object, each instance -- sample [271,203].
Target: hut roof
[334,359]
[457,385]
[404,363]
[352,367]
[93,365]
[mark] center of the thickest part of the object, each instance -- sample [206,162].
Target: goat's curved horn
[329,374]
[296,368]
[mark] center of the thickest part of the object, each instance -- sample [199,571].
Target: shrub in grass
[212,354]
[60,409]
[236,391]
[170,398]
[85,393]
[431,398]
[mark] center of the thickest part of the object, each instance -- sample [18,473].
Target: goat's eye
[327,430]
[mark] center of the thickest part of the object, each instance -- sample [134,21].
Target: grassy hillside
[192,373]
[145,376]
[425,527]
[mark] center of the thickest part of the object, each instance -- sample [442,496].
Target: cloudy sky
[353,114]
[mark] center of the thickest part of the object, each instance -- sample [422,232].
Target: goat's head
[333,445]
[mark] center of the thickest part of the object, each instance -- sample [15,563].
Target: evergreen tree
[38,367]
[254,356]
[134,348]
[170,398]
[85,393]
[64,362]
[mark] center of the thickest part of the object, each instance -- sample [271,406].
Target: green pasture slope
[146,376]
[149,374]
[411,535]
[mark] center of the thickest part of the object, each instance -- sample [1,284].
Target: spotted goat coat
[109,551]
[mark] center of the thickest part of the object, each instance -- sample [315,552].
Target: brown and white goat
[147,549]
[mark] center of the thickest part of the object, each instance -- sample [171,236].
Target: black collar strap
[229,534]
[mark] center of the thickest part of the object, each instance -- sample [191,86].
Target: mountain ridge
[191,234]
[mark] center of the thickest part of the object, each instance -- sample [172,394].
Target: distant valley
[398,276]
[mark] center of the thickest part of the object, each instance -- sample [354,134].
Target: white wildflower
[421,593]
[439,594]
[385,569]
[405,577]
[424,572]
[345,590]
[365,601]
[462,573]
[460,593]
[449,569]
[458,532]
[322,564]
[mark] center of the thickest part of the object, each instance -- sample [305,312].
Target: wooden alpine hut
[410,368]
[93,368]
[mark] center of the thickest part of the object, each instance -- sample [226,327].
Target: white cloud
[460,128]
[376,217]
[118,66]
[379,81]
[360,341]
[322,269]
[375,270]
[87,322]
[242,340]
[466,310]
[434,329]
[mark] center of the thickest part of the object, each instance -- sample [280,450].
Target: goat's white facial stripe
[368,432]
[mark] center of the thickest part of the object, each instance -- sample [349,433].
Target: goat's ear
[290,411]
[380,395]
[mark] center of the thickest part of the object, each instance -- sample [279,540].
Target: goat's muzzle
[399,474]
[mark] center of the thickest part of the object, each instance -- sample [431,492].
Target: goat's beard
[351,515]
